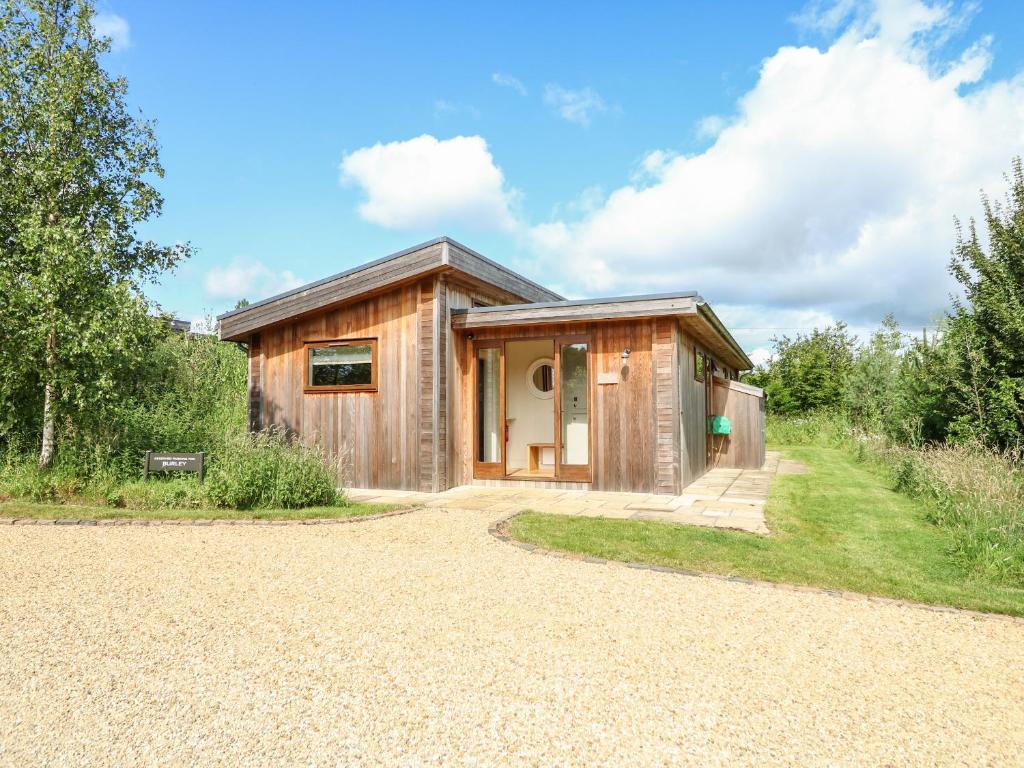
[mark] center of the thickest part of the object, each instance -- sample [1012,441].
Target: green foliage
[170,493]
[808,372]
[266,470]
[77,166]
[187,394]
[972,493]
[963,383]
[988,325]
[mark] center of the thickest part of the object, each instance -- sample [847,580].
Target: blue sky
[606,148]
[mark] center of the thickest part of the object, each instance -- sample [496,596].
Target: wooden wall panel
[744,407]
[374,433]
[426,351]
[692,414]
[666,391]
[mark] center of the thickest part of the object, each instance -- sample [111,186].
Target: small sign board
[175,462]
[611,377]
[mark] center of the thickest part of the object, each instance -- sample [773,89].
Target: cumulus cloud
[426,183]
[833,186]
[575,106]
[508,81]
[247,279]
[116,28]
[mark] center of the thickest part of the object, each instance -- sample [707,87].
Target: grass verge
[24,509]
[839,526]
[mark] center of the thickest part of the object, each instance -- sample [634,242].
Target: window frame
[310,388]
[703,370]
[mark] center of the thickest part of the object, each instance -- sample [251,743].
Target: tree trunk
[46,451]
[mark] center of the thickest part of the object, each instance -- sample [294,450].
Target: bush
[266,470]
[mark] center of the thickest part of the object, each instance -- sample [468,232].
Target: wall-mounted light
[625,353]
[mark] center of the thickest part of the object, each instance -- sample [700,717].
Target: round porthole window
[540,378]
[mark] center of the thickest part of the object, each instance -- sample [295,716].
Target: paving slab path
[721,498]
[423,640]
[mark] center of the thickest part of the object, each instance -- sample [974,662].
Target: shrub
[267,470]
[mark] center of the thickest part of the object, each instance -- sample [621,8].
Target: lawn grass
[25,509]
[839,526]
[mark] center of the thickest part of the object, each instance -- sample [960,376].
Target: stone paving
[722,498]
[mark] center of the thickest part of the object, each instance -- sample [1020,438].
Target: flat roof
[687,304]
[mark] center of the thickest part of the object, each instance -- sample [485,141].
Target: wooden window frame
[698,353]
[311,389]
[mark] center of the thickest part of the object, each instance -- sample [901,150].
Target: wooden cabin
[436,367]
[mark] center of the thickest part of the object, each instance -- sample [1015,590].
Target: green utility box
[719,425]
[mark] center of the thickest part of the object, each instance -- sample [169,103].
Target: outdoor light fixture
[625,353]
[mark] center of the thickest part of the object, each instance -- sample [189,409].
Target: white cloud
[116,28]
[575,106]
[247,279]
[444,108]
[760,355]
[710,126]
[508,81]
[833,187]
[425,183]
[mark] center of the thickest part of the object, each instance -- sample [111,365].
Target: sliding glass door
[572,408]
[570,382]
[489,411]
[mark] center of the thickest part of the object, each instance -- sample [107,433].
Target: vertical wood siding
[426,352]
[666,391]
[376,434]
[744,448]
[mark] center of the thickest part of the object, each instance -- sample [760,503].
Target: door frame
[573,472]
[489,470]
[499,470]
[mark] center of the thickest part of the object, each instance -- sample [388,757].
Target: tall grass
[266,470]
[974,494]
[189,395]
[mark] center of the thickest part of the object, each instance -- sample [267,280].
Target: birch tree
[76,179]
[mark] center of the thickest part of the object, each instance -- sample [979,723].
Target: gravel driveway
[421,640]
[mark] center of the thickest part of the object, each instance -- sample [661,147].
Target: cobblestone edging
[201,522]
[499,530]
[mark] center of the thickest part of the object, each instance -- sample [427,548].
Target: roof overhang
[693,312]
[440,255]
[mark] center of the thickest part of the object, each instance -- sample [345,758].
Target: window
[348,365]
[540,378]
[700,363]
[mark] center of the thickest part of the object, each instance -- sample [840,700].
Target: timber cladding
[376,435]
[623,415]
[398,435]
[744,406]
[419,313]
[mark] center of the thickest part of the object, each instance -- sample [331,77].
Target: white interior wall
[530,418]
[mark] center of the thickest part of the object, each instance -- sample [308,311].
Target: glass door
[489,410]
[572,408]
